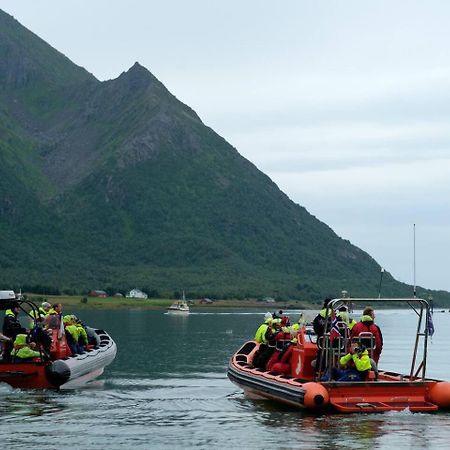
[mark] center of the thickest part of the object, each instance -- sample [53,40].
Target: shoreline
[84,302]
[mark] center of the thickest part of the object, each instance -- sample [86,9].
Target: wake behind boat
[51,365]
[306,385]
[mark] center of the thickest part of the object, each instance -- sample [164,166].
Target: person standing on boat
[11,328]
[344,315]
[322,318]
[11,325]
[320,322]
[263,334]
[367,325]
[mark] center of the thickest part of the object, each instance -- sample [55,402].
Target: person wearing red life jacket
[367,324]
[281,341]
[284,362]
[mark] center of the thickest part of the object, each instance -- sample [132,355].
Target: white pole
[414,246]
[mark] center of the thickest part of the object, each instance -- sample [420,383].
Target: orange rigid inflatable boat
[380,391]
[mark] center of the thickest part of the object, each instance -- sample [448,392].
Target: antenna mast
[414,258]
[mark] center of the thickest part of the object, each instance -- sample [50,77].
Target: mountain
[118,184]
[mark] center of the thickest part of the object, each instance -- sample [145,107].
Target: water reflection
[29,404]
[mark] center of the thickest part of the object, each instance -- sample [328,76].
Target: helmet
[268,316]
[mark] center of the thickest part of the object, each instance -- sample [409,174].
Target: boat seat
[367,339]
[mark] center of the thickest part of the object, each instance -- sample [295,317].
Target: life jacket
[361,362]
[260,335]
[22,350]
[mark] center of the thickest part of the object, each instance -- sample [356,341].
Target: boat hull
[177,312]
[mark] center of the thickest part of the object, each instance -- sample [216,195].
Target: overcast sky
[345,104]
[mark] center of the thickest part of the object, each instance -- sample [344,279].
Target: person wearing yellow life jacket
[23,351]
[357,365]
[262,337]
[323,319]
[44,309]
[344,315]
[11,325]
[11,328]
[72,334]
[82,334]
[300,322]
[264,330]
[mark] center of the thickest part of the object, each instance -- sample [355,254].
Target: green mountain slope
[119,184]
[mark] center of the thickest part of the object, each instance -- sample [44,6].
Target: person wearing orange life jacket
[23,351]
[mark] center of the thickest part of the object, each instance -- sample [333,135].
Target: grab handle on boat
[365,405]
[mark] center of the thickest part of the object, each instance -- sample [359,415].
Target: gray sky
[345,104]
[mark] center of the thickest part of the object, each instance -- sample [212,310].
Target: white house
[136,293]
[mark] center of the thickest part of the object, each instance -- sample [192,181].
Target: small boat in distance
[179,307]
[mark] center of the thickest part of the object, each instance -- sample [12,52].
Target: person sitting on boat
[40,314]
[367,324]
[356,364]
[283,365]
[83,340]
[281,340]
[263,335]
[54,316]
[24,351]
[72,335]
[44,309]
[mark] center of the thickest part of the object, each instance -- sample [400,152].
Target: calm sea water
[168,388]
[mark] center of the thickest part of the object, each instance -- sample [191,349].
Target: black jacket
[12,327]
